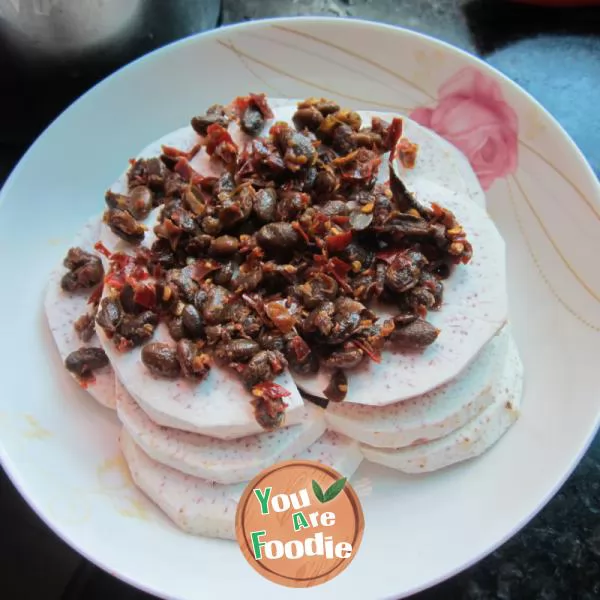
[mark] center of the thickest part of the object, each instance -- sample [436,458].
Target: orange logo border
[243,536]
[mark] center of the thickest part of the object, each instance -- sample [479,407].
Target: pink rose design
[473,116]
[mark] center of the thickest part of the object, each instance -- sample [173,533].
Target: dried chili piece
[145,295]
[337,242]
[187,173]
[100,247]
[220,145]
[367,349]
[300,348]
[270,390]
[407,153]
[204,267]
[360,166]
[177,153]
[393,135]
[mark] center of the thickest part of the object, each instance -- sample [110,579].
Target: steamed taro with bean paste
[280,261]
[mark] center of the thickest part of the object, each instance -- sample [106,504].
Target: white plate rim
[11,469]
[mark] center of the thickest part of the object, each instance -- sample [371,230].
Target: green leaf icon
[318,491]
[335,489]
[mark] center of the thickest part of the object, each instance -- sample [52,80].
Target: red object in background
[559,3]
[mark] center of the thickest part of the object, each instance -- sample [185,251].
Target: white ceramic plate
[59,447]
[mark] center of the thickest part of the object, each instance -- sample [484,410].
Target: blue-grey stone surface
[563,74]
[443,19]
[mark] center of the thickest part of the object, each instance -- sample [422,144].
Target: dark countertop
[555,55]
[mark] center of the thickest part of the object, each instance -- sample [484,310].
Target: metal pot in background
[64,31]
[52,51]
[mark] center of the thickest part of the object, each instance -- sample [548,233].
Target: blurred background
[52,51]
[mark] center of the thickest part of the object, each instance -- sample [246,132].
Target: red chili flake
[320,219]
[278,128]
[429,284]
[184,169]
[124,345]
[336,243]
[339,266]
[342,282]
[139,273]
[200,180]
[255,255]
[247,168]
[276,366]
[217,135]
[100,247]
[368,350]
[170,231]
[301,231]
[270,390]
[95,295]
[437,210]
[394,134]
[120,264]
[300,347]
[176,153]
[202,268]
[389,256]
[261,102]
[443,215]
[246,247]
[359,165]
[119,260]
[336,267]
[240,104]
[340,219]
[115,280]
[407,153]
[255,303]
[87,381]
[145,295]
[318,226]
[206,183]
[238,367]
[157,271]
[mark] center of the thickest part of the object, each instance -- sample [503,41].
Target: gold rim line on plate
[354,55]
[563,258]
[247,66]
[229,45]
[589,203]
[363,74]
[538,266]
